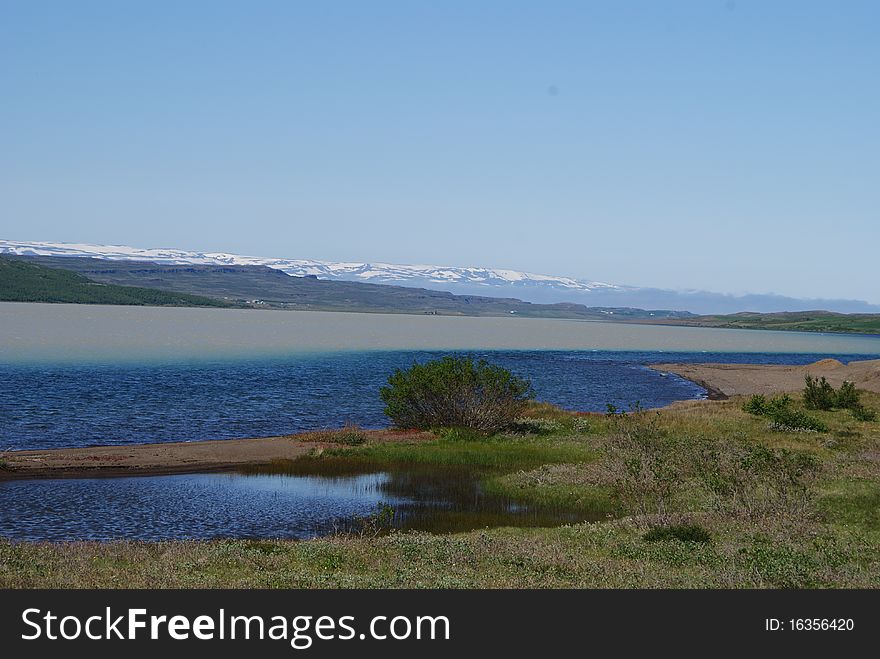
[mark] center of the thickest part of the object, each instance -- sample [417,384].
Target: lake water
[53,333]
[74,375]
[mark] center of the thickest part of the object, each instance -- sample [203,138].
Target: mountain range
[490,282]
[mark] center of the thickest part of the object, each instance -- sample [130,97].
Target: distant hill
[21,281]
[267,287]
[466,281]
[802,321]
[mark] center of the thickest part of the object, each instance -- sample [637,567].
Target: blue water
[205,506]
[78,405]
[186,506]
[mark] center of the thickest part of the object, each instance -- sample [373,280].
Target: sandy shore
[723,380]
[172,458]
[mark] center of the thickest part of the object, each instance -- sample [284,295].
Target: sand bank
[172,457]
[723,380]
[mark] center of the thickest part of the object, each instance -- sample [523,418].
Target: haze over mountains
[492,282]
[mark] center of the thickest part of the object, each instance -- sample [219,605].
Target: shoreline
[721,381]
[725,380]
[169,458]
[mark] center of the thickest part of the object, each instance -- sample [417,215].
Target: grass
[501,453]
[348,435]
[837,544]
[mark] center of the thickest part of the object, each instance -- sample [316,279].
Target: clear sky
[729,146]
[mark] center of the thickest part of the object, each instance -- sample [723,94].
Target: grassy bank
[824,534]
[798,321]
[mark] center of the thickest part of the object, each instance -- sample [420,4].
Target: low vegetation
[349,435]
[699,494]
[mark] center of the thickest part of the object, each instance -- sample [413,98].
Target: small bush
[862,413]
[455,392]
[847,397]
[681,532]
[756,405]
[786,419]
[760,406]
[782,416]
[818,394]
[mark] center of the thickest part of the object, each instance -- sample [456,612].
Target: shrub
[782,417]
[682,532]
[862,413]
[455,392]
[847,397]
[757,481]
[756,405]
[795,420]
[645,466]
[818,394]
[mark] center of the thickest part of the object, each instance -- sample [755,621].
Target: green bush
[782,416]
[756,405]
[862,413]
[682,532]
[788,419]
[847,397]
[455,392]
[818,394]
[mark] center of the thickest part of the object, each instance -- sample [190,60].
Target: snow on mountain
[379,273]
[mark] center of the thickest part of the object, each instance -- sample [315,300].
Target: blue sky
[729,146]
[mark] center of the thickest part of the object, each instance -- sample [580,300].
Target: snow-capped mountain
[377,273]
[493,282]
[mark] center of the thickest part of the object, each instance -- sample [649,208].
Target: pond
[262,505]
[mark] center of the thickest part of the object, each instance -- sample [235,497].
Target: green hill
[799,321]
[21,281]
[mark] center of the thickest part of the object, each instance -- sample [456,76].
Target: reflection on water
[203,506]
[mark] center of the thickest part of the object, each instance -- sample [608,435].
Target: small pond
[287,504]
